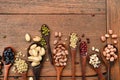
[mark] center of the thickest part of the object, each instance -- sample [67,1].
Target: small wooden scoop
[47,39]
[98,70]
[110,64]
[100,75]
[37,69]
[24,76]
[7,67]
[73,54]
[83,58]
[59,69]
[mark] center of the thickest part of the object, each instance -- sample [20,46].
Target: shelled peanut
[73,40]
[36,52]
[60,55]
[110,52]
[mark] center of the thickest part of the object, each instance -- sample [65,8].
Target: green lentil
[45,30]
[43,42]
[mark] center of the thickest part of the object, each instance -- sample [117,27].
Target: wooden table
[90,17]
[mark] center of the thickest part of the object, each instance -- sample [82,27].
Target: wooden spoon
[73,54]
[83,58]
[47,39]
[7,66]
[37,69]
[59,69]
[98,70]
[110,64]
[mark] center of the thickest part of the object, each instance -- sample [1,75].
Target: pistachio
[27,37]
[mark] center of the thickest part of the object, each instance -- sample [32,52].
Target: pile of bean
[109,52]
[36,52]
[83,48]
[94,61]
[110,35]
[45,30]
[60,55]
[73,40]
[8,55]
[19,65]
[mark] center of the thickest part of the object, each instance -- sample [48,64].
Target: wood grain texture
[52,6]
[113,22]
[54,78]
[15,27]
[18,17]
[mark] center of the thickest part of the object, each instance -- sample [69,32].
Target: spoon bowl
[59,69]
[36,69]
[47,39]
[7,64]
[109,63]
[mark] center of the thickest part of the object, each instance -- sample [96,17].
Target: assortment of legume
[60,52]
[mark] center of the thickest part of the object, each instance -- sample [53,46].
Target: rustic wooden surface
[91,17]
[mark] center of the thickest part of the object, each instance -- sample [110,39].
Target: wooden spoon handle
[109,72]
[24,76]
[49,53]
[59,71]
[58,76]
[6,72]
[100,75]
[73,54]
[83,66]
